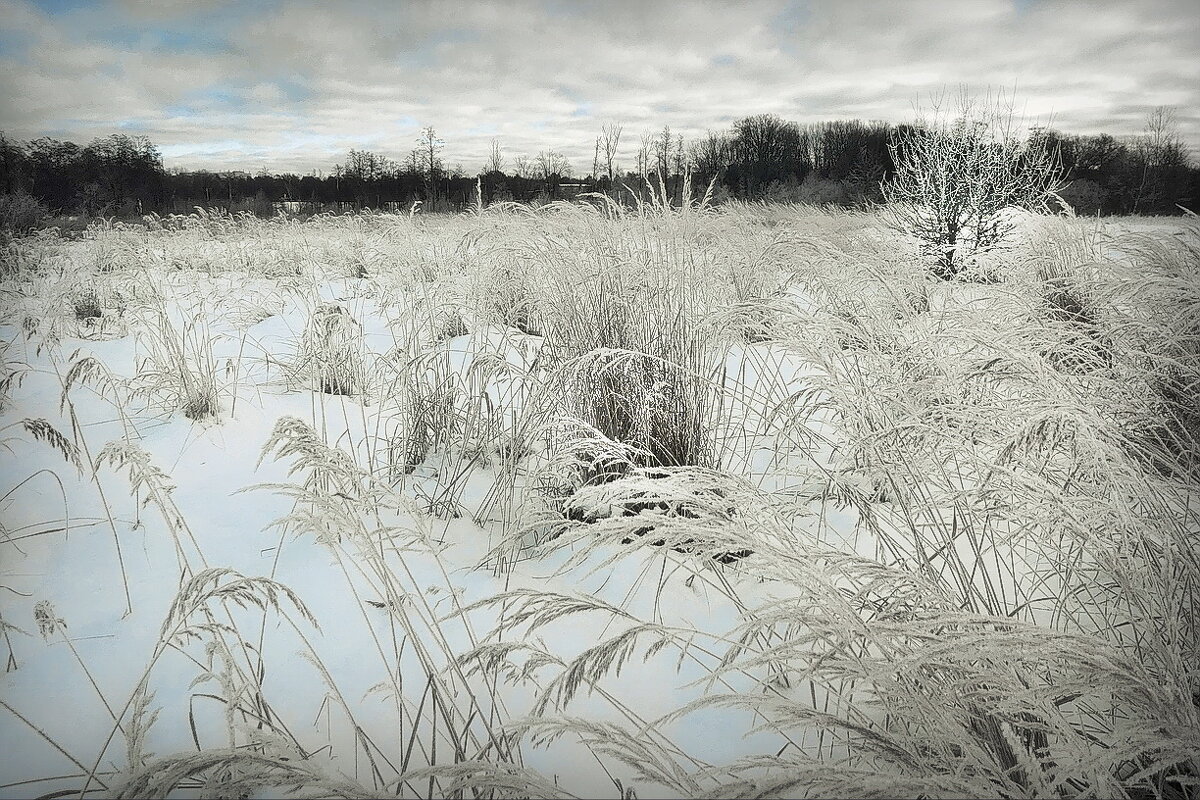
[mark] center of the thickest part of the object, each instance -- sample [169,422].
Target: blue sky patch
[57,7]
[453,36]
[570,94]
[14,44]
[293,90]
[483,130]
[198,39]
[790,22]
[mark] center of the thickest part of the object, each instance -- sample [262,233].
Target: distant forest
[760,157]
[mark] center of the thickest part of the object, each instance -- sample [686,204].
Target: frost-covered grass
[586,501]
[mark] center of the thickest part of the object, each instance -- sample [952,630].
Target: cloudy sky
[293,85]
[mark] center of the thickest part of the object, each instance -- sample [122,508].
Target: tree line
[761,157]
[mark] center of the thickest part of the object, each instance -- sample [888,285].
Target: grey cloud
[298,84]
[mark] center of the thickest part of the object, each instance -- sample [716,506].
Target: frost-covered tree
[955,175]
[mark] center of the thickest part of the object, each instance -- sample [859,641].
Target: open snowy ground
[565,503]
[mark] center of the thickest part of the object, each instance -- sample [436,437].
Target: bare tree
[522,166]
[429,146]
[1162,128]
[712,155]
[550,164]
[364,165]
[610,139]
[643,157]
[765,149]
[954,176]
[495,162]
[1165,159]
[662,153]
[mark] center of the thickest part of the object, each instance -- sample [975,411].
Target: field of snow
[574,503]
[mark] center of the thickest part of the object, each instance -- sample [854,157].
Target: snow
[211,463]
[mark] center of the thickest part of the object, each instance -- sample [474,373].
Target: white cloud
[294,85]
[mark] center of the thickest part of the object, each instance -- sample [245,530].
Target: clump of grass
[199,406]
[444,395]
[432,314]
[180,367]
[511,301]
[754,320]
[202,612]
[691,511]
[1179,433]
[626,347]
[95,305]
[637,374]
[426,421]
[1082,345]
[872,683]
[500,286]
[87,306]
[12,374]
[656,406]
[331,350]
[1170,332]
[452,720]
[448,323]
[1065,303]
[1120,310]
[20,213]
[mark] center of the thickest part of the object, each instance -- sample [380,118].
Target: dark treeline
[761,157]
[844,163]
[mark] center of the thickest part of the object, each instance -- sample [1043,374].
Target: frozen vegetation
[590,501]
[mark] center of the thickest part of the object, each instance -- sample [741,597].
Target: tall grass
[947,531]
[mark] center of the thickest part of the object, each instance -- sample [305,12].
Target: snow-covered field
[568,503]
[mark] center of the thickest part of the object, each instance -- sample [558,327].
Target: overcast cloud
[291,86]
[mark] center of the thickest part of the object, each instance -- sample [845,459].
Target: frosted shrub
[331,349]
[955,178]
